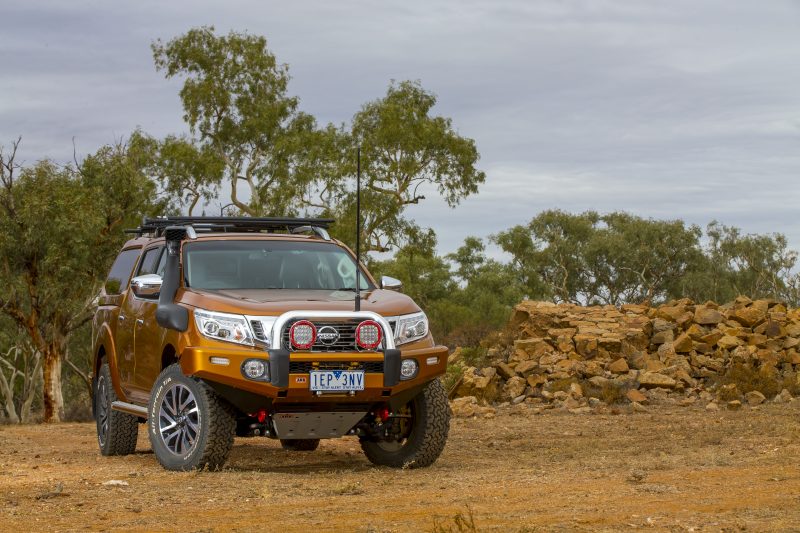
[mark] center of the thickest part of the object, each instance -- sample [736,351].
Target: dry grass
[748,378]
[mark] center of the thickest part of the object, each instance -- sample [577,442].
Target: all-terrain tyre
[427,435]
[116,431]
[189,426]
[300,445]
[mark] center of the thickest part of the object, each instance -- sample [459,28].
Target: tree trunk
[53,398]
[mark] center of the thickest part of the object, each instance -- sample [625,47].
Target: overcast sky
[680,109]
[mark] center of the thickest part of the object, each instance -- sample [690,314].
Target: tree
[60,227]
[245,129]
[610,259]
[405,151]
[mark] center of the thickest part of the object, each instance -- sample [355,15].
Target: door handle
[140,321]
[121,318]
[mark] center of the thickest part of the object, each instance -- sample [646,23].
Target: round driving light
[303,334]
[211,327]
[254,369]
[368,335]
[408,368]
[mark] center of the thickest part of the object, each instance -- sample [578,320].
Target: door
[117,286]
[148,335]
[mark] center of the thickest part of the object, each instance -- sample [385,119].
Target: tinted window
[149,264]
[270,265]
[121,271]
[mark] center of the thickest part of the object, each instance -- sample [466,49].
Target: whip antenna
[358,230]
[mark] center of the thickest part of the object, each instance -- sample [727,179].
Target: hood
[273,302]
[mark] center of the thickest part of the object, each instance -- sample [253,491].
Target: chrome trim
[391,284]
[280,322]
[129,408]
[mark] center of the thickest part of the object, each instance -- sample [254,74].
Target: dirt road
[678,469]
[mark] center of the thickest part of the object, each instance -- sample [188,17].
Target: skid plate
[322,425]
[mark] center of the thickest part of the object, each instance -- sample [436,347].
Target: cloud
[683,109]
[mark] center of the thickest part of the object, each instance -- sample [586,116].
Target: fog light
[408,369]
[255,369]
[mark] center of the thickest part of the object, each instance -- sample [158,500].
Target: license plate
[337,380]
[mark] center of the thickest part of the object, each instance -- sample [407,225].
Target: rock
[504,370]
[706,316]
[784,397]
[683,344]
[734,405]
[599,381]
[455,357]
[575,390]
[519,399]
[536,379]
[482,384]
[712,407]
[748,316]
[560,395]
[525,368]
[727,342]
[514,387]
[620,366]
[754,397]
[638,408]
[525,349]
[115,483]
[662,337]
[581,410]
[654,379]
[635,396]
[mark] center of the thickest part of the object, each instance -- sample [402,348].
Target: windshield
[262,264]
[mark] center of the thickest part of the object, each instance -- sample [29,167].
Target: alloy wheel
[179,419]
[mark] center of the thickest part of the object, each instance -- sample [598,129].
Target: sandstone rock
[535,380]
[454,357]
[734,405]
[636,407]
[784,397]
[636,396]
[482,384]
[514,387]
[749,316]
[727,342]
[620,366]
[707,316]
[654,379]
[754,397]
[464,407]
[575,390]
[662,337]
[504,370]
[527,349]
[599,381]
[712,407]
[683,344]
[525,368]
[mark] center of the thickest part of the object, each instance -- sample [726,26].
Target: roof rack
[156,226]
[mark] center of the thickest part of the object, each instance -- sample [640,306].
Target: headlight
[223,327]
[410,328]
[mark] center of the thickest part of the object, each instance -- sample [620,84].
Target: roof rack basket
[156,226]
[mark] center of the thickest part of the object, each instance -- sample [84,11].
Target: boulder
[754,397]
[620,366]
[636,396]
[706,316]
[654,379]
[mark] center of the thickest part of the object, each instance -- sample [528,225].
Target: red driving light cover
[368,335]
[303,335]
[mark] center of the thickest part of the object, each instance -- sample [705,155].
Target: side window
[149,264]
[121,271]
[162,265]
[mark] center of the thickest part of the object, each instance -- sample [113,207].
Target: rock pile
[742,353]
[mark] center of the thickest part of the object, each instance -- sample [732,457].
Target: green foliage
[246,128]
[60,228]
[621,258]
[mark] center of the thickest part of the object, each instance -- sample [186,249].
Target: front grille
[304,367]
[345,343]
[258,330]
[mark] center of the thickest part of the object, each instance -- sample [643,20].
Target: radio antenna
[358,229]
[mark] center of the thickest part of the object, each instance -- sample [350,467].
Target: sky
[684,109]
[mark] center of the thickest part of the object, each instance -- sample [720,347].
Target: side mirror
[391,284]
[147,286]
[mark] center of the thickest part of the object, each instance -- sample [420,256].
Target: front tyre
[116,431]
[424,423]
[189,426]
